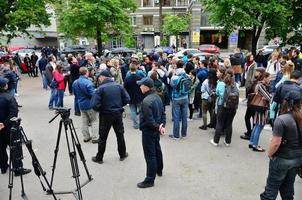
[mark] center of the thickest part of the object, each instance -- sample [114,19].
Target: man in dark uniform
[8,110]
[152,125]
[109,100]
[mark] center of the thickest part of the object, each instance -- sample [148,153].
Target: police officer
[8,110]
[109,100]
[152,125]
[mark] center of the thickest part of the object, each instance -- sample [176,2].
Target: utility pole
[161,34]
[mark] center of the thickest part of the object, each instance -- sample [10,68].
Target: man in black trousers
[109,100]
[8,110]
[152,125]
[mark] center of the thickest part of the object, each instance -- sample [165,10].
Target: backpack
[231,97]
[184,85]
[160,89]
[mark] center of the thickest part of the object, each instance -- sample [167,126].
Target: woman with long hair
[192,93]
[261,115]
[208,99]
[285,149]
[226,114]
[59,77]
[249,73]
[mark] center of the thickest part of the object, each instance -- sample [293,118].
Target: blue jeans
[281,177]
[44,80]
[135,109]
[180,113]
[60,94]
[237,78]
[76,105]
[53,98]
[254,140]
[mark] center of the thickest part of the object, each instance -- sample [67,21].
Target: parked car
[208,56]
[180,54]
[209,48]
[75,50]
[4,56]
[268,49]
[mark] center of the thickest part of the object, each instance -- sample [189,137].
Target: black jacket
[152,112]
[189,66]
[110,97]
[133,89]
[298,63]
[236,59]
[283,89]
[8,110]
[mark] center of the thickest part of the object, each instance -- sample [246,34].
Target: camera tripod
[17,137]
[73,145]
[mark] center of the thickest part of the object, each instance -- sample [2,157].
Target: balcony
[166,3]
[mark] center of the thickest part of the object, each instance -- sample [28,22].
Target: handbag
[258,103]
[299,169]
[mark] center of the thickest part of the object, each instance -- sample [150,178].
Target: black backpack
[231,97]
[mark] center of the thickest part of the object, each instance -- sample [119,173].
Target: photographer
[109,100]
[8,110]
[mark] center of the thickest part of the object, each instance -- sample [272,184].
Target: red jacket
[60,79]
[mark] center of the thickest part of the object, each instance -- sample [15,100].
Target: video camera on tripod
[17,137]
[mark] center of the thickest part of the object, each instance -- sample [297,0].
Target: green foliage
[16,16]
[295,23]
[174,25]
[85,17]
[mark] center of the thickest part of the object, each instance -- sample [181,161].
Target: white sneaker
[189,120]
[213,143]
[226,144]
[16,94]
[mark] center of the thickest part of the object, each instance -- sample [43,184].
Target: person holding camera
[109,100]
[152,125]
[8,110]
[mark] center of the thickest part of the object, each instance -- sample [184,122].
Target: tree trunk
[161,34]
[99,40]
[255,38]
[176,43]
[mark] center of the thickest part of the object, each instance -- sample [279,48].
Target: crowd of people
[102,86]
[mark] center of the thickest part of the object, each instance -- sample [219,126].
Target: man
[34,58]
[83,90]
[134,93]
[27,63]
[282,90]
[10,76]
[109,100]
[179,102]
[42,66]
[152,125]
[8,110]
[296,60]
[190,64]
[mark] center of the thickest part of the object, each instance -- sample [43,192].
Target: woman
[115,70]
[285,149]
[208,99]
[249,73]
[261,115]
[59,78]
[286,69]
[192,93]
[273,67]
[225,114]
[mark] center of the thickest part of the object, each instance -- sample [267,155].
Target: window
[182,2]
[133,20]
[147,3]
[116,43]
[166,3]
[148,20]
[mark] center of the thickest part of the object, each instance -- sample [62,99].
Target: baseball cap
[146,81]
[3,82]
[105,73]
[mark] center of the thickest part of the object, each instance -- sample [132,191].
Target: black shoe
[19,106]
[145,185]
[77,113]
[87,140]
[245,137]
[159,173]
[250,146]
[94,141]
[210,126]
[258,149]
[22,172]
[3,171]
[97,160]
[123,158]
[203,127]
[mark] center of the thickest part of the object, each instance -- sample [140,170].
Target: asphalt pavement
[193,168]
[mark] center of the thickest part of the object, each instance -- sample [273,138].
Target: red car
[209,48]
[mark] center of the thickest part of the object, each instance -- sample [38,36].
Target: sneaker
[245,137]
[145,185]
[159,174]
[189,120]
[183,137]
[16,94]
[213,143]
[94,141]
[22,172]
[226,144]
[97,160]
[123,158]
[174,138]
[203,127]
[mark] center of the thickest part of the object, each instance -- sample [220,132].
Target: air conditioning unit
[156,1]
[146,29]
[151,29]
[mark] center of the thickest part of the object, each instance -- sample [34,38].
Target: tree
[16,16]
[295,29]
[93,18]
[254,15]
[174,25]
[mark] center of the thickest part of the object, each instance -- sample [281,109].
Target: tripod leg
[79,148]
[55,156]
[73,159]
[11,176]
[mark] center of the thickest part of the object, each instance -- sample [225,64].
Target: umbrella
[122,50]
